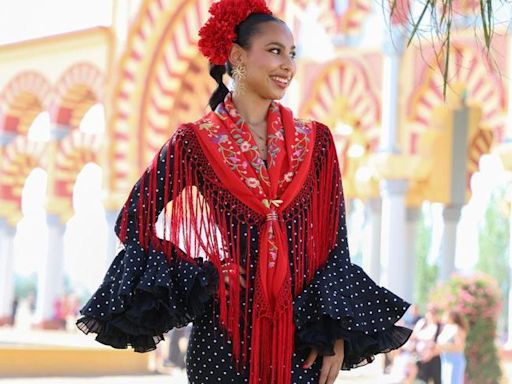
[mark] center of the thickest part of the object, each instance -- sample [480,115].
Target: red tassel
[201,225]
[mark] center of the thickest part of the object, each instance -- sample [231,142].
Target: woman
[425,335]
[451,344]
[254,196]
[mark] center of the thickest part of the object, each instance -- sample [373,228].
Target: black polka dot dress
[143,295]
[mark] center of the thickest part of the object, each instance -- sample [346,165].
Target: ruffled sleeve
[343,302]
[145,293]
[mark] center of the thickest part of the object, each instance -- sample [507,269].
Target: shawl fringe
[200,218]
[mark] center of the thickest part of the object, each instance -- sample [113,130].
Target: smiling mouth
[283,82]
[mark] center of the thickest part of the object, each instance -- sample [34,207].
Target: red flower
[217,35]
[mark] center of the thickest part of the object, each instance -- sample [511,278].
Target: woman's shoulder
[315,124]
[184,131]
[322,131]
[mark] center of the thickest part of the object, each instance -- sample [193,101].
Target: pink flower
[245,146]
[252,182]
[288,176]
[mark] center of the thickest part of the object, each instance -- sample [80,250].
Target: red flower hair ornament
[217,35]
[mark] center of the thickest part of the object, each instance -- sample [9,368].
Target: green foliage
[24,286]
[494,242]
[478,298]
[426,273]
[437,17]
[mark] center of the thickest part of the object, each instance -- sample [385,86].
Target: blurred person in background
[451,344]
[425,335]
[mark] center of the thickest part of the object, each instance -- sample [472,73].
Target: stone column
[371,247]
[112,240]
[451,216]
[508,344]
[50,285]
[393,189]
[7,233]
[505,152]
[392,56]
[412,215]
[6,253]
[393,239]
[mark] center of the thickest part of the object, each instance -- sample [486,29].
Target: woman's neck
[252,108]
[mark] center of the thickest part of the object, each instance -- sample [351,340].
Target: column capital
[394,187]
[55,221]
[395,42]
[412,214]
[59,131]
[374,205]
[505,153]
[452,212]
[6,138]
[6,228]
[400,166]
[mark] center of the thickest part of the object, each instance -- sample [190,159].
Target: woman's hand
[331,365]
[228,269]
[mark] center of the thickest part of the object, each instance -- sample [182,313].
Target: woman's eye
[278,52]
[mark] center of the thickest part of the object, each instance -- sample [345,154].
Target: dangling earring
[239,74]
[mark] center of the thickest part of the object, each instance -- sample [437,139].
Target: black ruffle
[143,296]
[349,305]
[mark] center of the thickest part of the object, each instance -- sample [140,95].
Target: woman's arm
[458,345]
[151,286]
[343,302]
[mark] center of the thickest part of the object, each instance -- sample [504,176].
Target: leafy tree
[426,273]
[494,243]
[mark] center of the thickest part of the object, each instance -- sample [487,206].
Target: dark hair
[244,32]
[459,319]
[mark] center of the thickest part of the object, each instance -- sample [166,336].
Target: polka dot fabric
[143,295]
[343,302]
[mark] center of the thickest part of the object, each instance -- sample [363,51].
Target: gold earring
[239,74]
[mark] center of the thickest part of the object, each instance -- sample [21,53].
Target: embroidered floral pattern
[238,148]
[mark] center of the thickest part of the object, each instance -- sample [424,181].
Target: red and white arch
[349,79]
[470,70]
[23,98]
[78,89]
[74,152]
[348,22]
[19,158]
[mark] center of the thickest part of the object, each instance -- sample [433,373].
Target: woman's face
[270,61]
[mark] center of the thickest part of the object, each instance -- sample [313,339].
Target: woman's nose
[288,64]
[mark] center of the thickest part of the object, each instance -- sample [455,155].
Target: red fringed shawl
[220,190]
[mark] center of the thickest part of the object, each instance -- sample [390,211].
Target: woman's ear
[236,55]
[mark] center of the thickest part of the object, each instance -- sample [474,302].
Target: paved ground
[176,378]
[23,336]
[9,336]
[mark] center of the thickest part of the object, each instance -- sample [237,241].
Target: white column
[112,240]
[412,215]
[7,233]
[509,322]
[393,248]
[392,55]
[371,247]
[50,284]
[393,191]
[508,142]
[451,216]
